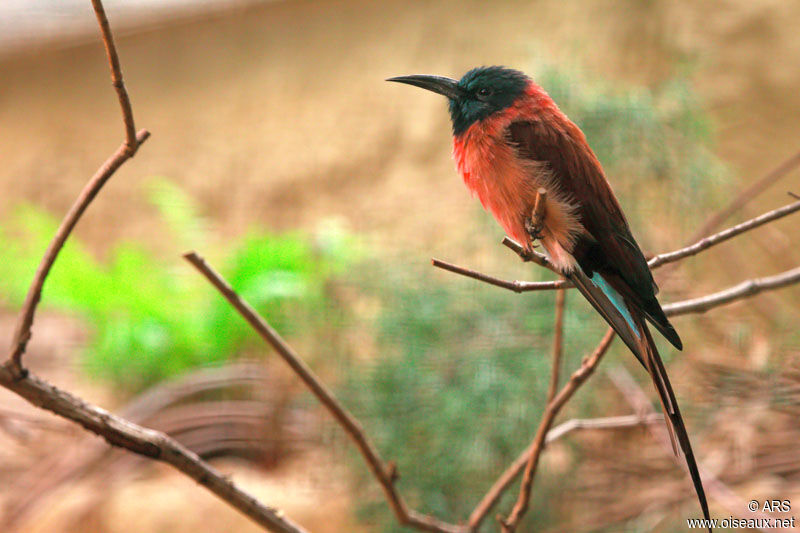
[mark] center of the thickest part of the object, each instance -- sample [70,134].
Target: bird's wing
[608,245]
[613,275]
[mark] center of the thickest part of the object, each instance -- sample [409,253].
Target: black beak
[437,84]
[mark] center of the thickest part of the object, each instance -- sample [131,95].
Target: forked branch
[530,457]
[22,331]
[116,430]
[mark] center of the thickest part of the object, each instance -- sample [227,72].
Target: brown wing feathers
[609,249]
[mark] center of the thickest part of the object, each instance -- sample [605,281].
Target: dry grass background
[277,114]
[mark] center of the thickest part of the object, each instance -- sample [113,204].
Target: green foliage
[153,318]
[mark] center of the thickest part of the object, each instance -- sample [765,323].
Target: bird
[510,140]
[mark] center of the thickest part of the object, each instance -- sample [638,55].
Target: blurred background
[322,192]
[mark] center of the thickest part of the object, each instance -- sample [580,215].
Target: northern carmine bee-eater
[509,140]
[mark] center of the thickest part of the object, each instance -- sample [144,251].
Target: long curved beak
[438,84]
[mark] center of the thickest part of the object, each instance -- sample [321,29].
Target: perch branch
[655,262]
[146,442]
[535,224]
[516,286]
[22,331]
[384,472]
[528,255]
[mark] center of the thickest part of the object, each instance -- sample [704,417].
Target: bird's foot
[534,225]
[534,231]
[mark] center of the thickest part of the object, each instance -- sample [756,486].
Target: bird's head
[480,93]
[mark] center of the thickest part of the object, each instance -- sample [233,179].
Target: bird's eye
[484,91]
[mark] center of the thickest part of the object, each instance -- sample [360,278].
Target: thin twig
[608,422]
[146,442]
[131,142]
[528,255]
[655,262]
[516,286]
[558,344]
[115,430]
[385,473]
[745,289]
[708,242]
[558,432]
[748,195]
[575,381]
[22,332]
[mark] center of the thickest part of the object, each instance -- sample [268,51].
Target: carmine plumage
[509,139]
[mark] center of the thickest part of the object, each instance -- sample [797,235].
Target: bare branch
[748,195]
[698,305]
[558,432]
[558,344]
[146,442]
[535,449]
[743,290]
[708,242]
[609,422]
[22,332]
[746,289]
[115,430]
[529,256]
[131,141]
[385,473]
[516,286]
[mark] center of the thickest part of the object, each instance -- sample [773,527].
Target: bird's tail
[631,327]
